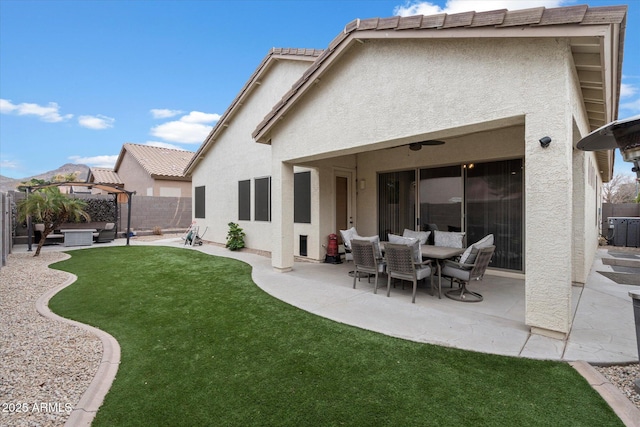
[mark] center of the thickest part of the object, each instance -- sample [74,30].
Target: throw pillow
[485,242]
[348,236]
[420,235]
[469,256]
[448,238]
[409,241]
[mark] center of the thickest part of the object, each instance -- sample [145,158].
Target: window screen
[244,200]
[200,202]
[262,199]
[302,197]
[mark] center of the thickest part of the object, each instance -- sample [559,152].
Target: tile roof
[159,162]
[582,15]
[273,54]
[104,176]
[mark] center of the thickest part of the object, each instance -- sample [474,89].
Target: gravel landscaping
[45,365]
[623,377]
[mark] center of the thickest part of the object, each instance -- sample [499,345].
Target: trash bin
[635,295]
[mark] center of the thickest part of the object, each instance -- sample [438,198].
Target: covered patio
[514,96]
[602,329]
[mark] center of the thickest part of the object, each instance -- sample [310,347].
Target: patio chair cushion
[423,236]
[409,241]
[450,239]
[469,256]
[348,236]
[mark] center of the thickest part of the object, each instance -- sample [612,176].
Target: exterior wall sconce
[363,184]
[545,141]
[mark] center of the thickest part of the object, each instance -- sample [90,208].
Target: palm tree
[52,208]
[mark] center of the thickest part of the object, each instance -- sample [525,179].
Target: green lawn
[203,345]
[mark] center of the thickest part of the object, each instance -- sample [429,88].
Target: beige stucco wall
[386,92]
[235,157]
[170,188]
[135,178]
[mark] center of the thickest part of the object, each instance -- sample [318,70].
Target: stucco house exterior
[148,170]
[467,121]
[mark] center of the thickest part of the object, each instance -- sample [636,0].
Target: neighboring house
[104,176]
[149,171]
[362,118]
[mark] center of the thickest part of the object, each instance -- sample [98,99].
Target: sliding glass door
[441,192]
[396,202]
[494,205]
[480,199]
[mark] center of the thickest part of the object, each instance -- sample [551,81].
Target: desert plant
[157,230]
[52,208]
[235,237]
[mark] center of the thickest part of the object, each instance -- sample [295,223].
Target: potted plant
[235,237]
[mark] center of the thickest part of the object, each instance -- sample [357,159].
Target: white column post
[282,216]
[549,230]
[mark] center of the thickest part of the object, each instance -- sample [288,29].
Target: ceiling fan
[417,146]
[622,134]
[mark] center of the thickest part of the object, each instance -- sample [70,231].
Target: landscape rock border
[87,408]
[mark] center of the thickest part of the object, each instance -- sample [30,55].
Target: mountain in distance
[82,171]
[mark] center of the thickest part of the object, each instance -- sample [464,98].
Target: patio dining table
[438,254]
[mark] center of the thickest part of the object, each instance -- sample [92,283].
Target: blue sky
[80,78]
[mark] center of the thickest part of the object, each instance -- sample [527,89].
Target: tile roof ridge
[535,16]
[155,147]
[294,51]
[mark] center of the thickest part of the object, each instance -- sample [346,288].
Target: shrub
[235,237]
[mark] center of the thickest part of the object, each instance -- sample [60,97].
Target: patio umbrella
[622,134]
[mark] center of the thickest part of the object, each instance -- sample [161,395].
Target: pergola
[119,193]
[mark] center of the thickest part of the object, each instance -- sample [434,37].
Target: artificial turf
[203,345]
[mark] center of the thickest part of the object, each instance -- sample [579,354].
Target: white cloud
[8,164]
[163,113]
[456,6]
[49,113]
[627,90]
[633,107]
[96,122]
[6,106]
[198,117]
[189,129]
[96,161]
